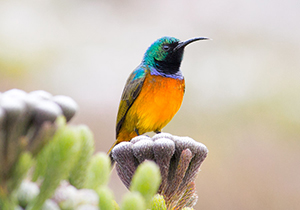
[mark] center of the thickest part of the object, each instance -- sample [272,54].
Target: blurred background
[242,88]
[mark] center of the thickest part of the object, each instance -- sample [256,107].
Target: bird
[153,92]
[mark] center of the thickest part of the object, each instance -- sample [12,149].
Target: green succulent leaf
[58,157]
[44,156]
[158,203]
[106,197]
[98,171]
[133,201]
[146,180]
[20,170]
[79,172]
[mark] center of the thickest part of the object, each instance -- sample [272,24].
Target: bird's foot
[137,131]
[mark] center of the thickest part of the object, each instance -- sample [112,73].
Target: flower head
[179,160]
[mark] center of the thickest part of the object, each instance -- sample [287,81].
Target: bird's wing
[130,93]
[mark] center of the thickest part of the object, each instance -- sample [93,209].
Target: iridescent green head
[166,54]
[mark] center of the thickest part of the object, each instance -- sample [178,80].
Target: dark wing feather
[130,93]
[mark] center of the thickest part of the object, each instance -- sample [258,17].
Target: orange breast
[157,103]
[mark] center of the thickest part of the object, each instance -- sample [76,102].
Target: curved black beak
[185,43]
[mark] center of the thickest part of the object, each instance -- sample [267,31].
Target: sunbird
[154,91]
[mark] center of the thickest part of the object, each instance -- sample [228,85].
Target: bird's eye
[166,47]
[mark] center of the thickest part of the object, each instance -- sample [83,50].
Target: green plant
[47,164]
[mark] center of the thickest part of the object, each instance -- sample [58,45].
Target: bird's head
[166,54]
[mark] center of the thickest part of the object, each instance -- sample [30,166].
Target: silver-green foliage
[55,162]
[47,164]
[146,181]
[98,171]
[79,171]
[68,156]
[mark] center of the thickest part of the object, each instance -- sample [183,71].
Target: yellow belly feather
[157,103]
